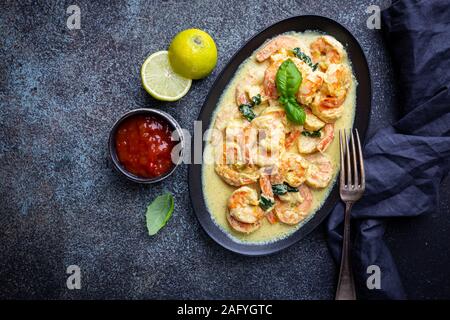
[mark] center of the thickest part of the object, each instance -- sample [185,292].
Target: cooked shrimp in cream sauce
[270,175]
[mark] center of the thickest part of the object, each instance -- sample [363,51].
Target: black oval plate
[363,105]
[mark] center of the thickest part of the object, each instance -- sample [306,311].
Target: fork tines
[352,165]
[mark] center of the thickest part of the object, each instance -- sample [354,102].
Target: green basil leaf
[291,189]
[247,112]
[302,56]
[305,58]
[283,188]
[279,189]
[313,134]
[288,79]
[295,113]
[256,100]
[292,100]
[266,203]
[159,212]
[281,80]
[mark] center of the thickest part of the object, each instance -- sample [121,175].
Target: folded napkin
[405,162]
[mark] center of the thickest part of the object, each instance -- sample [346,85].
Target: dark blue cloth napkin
[405,162]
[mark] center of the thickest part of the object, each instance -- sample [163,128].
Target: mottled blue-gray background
[61,203]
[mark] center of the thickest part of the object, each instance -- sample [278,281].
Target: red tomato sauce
[144,145]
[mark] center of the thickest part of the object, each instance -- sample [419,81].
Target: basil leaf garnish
[283,188]
[159,212]
[291,189]
[313,134]
[305,58]
[279,189]
[266,203]
[247,112]
[295,112]
[288,79]
[256,100]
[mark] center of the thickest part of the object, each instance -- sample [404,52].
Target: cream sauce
[217,192]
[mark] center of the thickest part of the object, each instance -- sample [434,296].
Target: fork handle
[346,285]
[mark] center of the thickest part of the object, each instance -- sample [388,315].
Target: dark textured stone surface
[62,203]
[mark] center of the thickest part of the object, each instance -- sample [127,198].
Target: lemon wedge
[159,79]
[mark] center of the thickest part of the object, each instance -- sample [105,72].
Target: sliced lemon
[159,79]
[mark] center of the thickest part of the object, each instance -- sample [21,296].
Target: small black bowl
[149,112]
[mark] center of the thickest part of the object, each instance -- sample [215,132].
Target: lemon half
[161,81]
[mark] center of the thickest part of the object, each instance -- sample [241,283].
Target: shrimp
[266,185]
[291,137]
[237,177]
[269,84]
[269,176]
[225,115]
[320,170]
[308,144]
[293,168]
[336,84]
[328,104]
[326,138]
[243,205]
[240,133]
[233,168]
[228,114]
[241,226]
[295,207]
[270,130]
[236,131]
[312,123]
[266,189]
[309,87]
[293,131]
[278,43]
[326,50]
[273,173]
[276,111]
[249,87]
[282,54]
[328,115]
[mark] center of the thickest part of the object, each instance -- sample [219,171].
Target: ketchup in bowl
[143,145]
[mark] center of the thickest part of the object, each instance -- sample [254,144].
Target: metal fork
[351,188]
